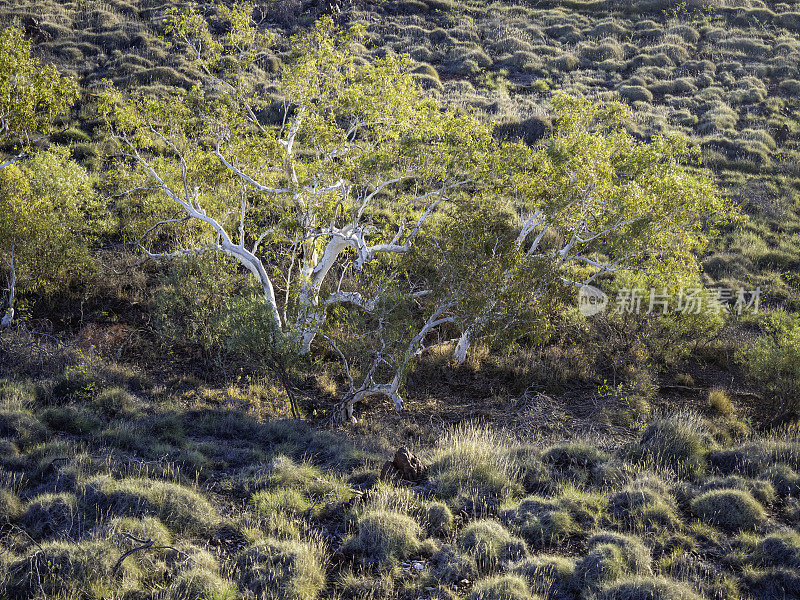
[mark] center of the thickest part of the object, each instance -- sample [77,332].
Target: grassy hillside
[222,503]
[726,74]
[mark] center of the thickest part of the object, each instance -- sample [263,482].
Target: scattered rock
[405,465]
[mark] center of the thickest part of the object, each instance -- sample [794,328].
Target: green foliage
[49,216]
[31,93]
[774,358]
[212,158]
[191,301]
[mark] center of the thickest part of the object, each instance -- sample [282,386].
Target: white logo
[591,300]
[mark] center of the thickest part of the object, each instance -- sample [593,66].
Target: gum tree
[377,221]
[48,214]
[31,95]
[591,201]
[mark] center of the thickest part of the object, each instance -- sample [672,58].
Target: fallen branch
[147,544]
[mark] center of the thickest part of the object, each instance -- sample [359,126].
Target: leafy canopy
[49,213]
[434,227]
[31,93]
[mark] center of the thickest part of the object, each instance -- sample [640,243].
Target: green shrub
[548,575]
[648,588]
[635,93]
[438,520]
[541,522]
[51,514]
[201,584]
[76,420]
[773,360]
[61,569]
[282,569]
[502,587]
[490,544]
[611,556]
[730,509]
[382,537]
[678,442]
[180,507]
[21,427]
[270,502]
[785,480]
[778,550]
[470,469]
[10,506]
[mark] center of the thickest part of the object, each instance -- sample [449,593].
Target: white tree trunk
[462,347]
[8,317]
[391,390]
